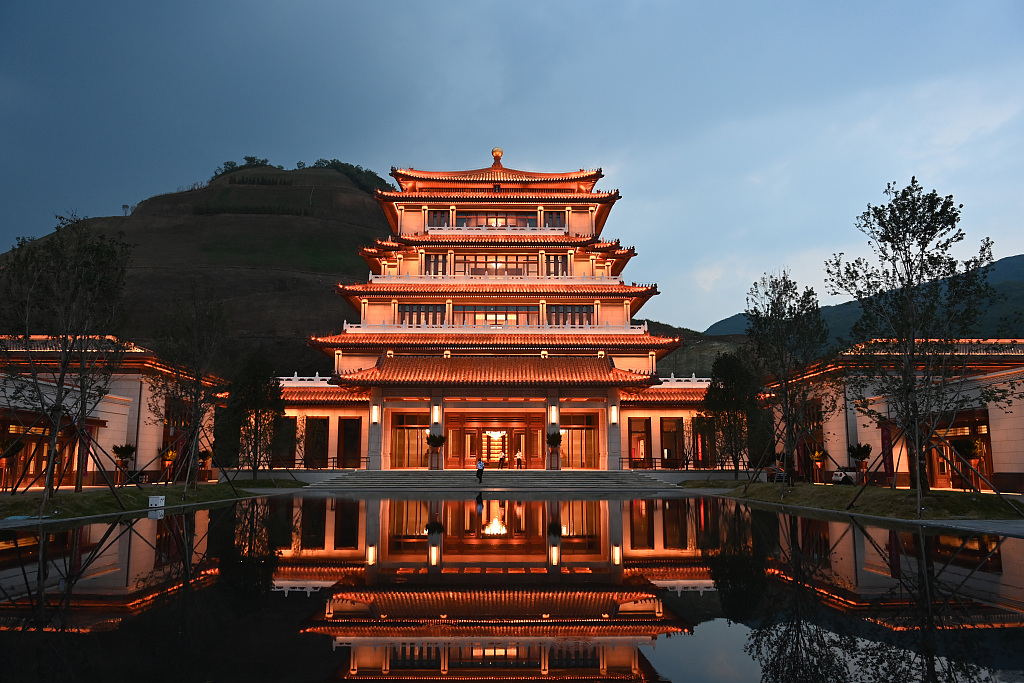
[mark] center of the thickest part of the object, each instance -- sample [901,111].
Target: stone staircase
[539,482]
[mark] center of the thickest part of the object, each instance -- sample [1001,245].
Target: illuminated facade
[495,314]
[124,414]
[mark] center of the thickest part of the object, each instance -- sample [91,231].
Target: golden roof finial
[496,153]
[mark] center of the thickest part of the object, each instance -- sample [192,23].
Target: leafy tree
[257,403]
[730,401]
[191,342]
[67,287]
[918,301]
[788,335]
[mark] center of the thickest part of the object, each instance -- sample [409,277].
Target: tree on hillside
[788,335]
[191,343]
[730,401]
[60,302]
[918,301]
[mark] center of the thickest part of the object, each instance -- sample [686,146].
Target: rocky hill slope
[268,244]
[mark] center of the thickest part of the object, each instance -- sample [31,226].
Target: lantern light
[371,555]
[374,414]
[613,414]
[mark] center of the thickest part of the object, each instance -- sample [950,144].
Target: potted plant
[124,454]
[435,442]
[8,449]
[169,455]
[434,527]
[554,440]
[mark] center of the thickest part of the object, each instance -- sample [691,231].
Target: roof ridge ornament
[496,153]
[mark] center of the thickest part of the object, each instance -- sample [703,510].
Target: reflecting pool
[319,587]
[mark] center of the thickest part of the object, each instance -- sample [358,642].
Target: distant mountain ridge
[1001,320]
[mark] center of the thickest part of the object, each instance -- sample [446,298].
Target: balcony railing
[480,229]
[495,328]
[550,279]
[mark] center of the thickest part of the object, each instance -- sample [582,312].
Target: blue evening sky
[744,136]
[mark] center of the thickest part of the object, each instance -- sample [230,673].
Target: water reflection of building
[524,588]
[879,573]
[95,575]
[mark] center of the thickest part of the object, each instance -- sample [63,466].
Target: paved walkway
[525,483]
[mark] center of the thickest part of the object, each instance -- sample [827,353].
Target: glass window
[438,219]
[496,219]
[435,264]
[554,219]
[640,442]
[672,450]
[495,315]
[559,314]
[556,264]
[421,314]
[496,264]
[409,440]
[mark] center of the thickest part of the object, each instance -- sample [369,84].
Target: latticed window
[496,219]
[495,315]
[438,219]
[554,219]
[435,264]
[421,314]
[496,264]
[559,314]
[556,264]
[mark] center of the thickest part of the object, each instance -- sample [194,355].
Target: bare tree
[61,299]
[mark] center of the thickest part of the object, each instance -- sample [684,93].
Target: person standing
[519,460]
[480,470]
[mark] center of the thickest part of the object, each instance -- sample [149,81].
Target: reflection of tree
[789,641]
[738,570]
[926,638]
[38,607]
[247,567]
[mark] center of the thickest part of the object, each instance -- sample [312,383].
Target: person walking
[480,470]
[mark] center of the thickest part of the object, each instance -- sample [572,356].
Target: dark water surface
[317,588]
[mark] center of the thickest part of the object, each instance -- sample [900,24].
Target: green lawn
[67,504]
[875,500]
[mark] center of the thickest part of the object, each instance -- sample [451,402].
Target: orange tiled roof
[495,174]
[495,289]
[419,603]
[441,341]
[509,194]
[666,394]
[320,394]
[494,370]
[637,628]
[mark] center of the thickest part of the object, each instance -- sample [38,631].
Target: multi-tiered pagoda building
[496,314]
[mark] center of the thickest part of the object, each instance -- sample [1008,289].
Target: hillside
[697,353]
[267,243]
[1002,320]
